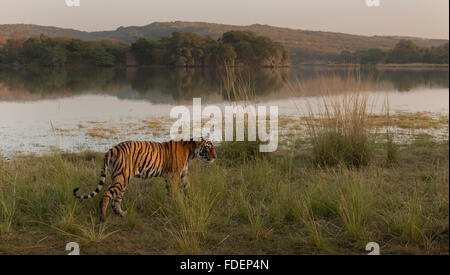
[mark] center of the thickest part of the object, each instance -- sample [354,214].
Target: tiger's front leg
[185,183]
[171,181]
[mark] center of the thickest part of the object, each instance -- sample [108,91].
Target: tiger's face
[206,150]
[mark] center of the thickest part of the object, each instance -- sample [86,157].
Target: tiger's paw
[120,213]
[101,218]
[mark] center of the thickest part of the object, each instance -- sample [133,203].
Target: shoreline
[100,135]
[392,66]
[124,66]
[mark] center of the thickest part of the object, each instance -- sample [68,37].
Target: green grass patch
[242,204]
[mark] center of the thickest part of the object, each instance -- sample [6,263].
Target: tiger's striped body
[145,159]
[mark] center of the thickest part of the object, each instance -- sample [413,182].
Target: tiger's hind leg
[116,205]
[117,186]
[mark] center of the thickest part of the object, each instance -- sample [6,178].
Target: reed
[337,123]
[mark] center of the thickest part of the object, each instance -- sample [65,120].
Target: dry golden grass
[406,120]
[102,132]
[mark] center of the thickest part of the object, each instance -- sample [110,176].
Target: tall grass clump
[189,216]
[94,232]
[304,210]
[66,218]
[241,151]
[413,221]
[238,152]
[256,215]
[8,197]
[8,207]
[338,126]
[189,219]
[238,88]
[391,147]
[237,85]
[354,206]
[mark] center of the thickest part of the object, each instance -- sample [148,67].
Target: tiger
[147,159]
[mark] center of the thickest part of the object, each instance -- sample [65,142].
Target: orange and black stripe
[145,160]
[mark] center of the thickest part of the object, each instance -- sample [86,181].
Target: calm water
[44,108]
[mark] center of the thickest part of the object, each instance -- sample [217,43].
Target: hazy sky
[423,18]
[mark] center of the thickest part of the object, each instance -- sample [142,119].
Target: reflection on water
[402,80]
[154,84]
[37,105]
[167,85]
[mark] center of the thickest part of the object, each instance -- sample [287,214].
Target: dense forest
[304,46]
[55,51]
[405,51]
[234,48]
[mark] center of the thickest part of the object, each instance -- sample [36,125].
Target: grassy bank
[281,203]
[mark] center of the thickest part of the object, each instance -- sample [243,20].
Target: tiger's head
[205,150]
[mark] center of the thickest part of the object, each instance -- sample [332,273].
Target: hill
[304,46]
[35,30]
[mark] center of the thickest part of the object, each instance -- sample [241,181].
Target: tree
[345,57]
[146,51]
[53,56]
[184,48]
[226,55]
[43,51]
[370,56]
[437,55]
[117,49]
[406,52]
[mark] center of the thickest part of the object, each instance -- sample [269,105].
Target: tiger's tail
[100,184]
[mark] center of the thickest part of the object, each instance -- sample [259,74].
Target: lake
[94,108]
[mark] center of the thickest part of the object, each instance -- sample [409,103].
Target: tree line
[56,51]
[234,48]
[405,51]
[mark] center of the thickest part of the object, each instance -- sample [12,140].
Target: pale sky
[422,18]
